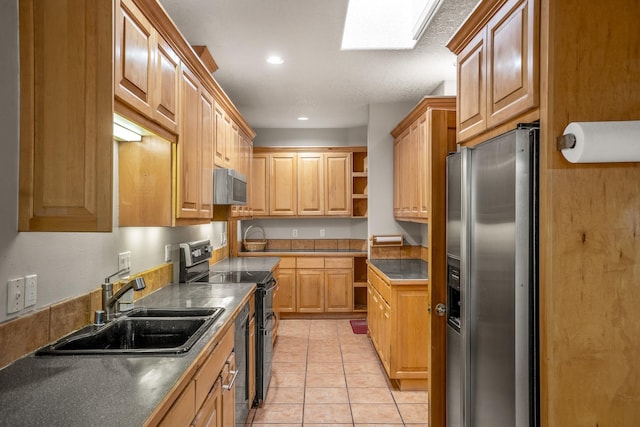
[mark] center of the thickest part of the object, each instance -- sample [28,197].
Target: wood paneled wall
[589,219]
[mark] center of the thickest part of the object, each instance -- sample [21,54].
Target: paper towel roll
[389,239]
[604,142]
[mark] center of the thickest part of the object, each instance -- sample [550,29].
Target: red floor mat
[359,326]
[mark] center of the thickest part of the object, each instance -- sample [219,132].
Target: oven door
[265,336]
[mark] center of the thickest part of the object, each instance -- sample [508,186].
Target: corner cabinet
[498,66]
[66,116]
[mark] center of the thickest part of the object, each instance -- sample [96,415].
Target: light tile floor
[325,375]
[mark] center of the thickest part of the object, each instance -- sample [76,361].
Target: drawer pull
[233,380]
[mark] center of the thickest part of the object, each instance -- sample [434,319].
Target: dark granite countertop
[109,390]
[245,264]
[293,252]
[402,269]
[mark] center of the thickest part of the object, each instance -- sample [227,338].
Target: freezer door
[496,299]
[454,204]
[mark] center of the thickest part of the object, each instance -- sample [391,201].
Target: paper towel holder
[387,240]
[566,141]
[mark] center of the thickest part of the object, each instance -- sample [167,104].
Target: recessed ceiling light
[275,60]
[302,118]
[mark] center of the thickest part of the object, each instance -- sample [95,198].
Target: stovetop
[259,277]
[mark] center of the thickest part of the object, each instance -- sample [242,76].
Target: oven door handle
[267,330]
[272,287]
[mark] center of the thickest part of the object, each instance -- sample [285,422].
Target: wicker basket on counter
[254,246]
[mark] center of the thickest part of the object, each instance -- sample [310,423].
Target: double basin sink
[139,331]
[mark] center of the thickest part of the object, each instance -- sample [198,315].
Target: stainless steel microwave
[229,187]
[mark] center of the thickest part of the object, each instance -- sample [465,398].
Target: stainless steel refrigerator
[496,355]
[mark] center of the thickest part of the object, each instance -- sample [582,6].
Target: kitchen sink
[173,312]
[141,331]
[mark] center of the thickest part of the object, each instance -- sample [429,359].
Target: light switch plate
[167,253]
[124,262]
[15,295]
[30,290]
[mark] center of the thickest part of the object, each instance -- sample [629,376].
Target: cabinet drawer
[383,288]
[289,262]
[310,262]
[208,372]
[183,409]
[342,262]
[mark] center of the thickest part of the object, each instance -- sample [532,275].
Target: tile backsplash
[21,336]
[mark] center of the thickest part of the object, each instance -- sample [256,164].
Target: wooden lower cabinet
[338,290]
[314,284]
[399,329]
[310,291]
[207,399]
[229,392]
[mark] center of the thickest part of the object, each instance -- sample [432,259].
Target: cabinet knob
[441,309]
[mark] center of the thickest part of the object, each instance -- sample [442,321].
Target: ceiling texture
[318,80]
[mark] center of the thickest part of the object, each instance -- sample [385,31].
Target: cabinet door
[221,137]
[183,410]
[512,70]
[339,290]
[472,88]
[66,115]
[405,174]
[410,324]
[206,136]
[283,174]
[413,178]
[167,80]
[397,177]
[189,149]
[424,156]
[210,414]
[228,392]
[337,170]
[260,184]
[134,57]
[287,290]
[385,330]
[310,183]
[310,290]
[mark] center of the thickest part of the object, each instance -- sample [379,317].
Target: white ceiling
[332,87]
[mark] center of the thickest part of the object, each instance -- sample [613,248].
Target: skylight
[386,24]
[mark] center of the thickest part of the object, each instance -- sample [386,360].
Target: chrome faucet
[109,300]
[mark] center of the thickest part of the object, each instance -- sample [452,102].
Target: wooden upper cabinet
[283,191]
[472,88]
[66,116]
[498,66]
[189,147]
[422,141]
[260,184]
[195,151]
[221,137]
[135,47]
[337,171]
[206,136]
[424,172]
[167,84]
[512,68]
[311,186]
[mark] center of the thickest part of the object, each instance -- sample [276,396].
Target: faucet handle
[117,273]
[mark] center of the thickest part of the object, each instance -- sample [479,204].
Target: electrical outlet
[167,253]
[15,295]
[322,232]
[30,290]
[294,232]
[124,262]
